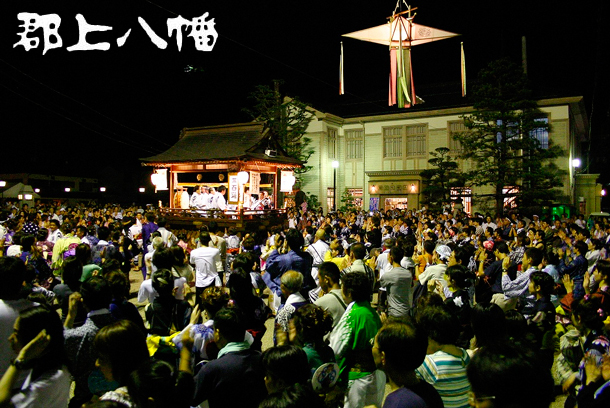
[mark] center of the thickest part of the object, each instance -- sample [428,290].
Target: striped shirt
[447,374]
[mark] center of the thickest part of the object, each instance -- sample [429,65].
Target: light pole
[335,165]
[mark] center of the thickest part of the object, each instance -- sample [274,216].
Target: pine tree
[440,178]
[502,140]
[286,120]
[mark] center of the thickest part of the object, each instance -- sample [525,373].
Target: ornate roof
[241,141]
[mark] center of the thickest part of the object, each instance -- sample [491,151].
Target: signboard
[374,204]
[159,179]
[255,182]
[233,188]
[286,181]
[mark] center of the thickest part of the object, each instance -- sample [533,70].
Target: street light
[142,189]
[576,163]
[102,189]
[335,165]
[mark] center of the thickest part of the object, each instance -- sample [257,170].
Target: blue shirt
[278,263]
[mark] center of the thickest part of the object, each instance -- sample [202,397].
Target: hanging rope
[398,6]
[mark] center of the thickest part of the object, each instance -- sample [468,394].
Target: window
[332,143]
[513,130]
[354,140]
[542,133]
[355,195]
[465,195]
[510,195]
[396,203]
[330,195]
[416,140]
[392,142]
[456,127]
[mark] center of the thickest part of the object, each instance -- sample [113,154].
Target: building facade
[380,157]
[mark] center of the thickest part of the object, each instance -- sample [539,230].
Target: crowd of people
[447,309]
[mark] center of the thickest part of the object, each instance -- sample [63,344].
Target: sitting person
[204,347]
[95,294]
[588,317]
[601,276]
[291,284]
[495,381]
[294,396]
[156,384]
[39,343]
[542,322]
[596,391]
[308,327]
[121,349]
[488,323]
[121,307]
[236,378]
[253,308]
[389,353]
[71,273]
[285,366]
[457,298]
[445,365]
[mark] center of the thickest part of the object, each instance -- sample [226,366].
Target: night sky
[87,112]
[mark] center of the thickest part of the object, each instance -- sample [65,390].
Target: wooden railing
[223,214]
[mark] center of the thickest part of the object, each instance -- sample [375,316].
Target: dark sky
[82,111]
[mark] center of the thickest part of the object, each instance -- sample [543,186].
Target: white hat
[14,250]
[443,251]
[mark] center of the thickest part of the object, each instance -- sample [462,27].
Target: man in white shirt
[221,203]
[205,259]
[212,199]
[203,201]
[217,241]
[195,197]
[318,251]
[382,265]
[169,238]
[437,271]
[332,301]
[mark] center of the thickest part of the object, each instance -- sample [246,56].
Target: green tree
[312,202]
[439,179]
[286,121]
[347,201]
[502,140]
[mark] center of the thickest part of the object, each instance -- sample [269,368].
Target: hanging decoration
[463,71]
[400,34]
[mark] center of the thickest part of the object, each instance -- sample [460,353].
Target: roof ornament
[400,33]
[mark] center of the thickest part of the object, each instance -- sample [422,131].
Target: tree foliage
[501,140]
[286,120]
[347,201]
[440,178]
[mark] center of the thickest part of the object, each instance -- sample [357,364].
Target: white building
[380,157]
